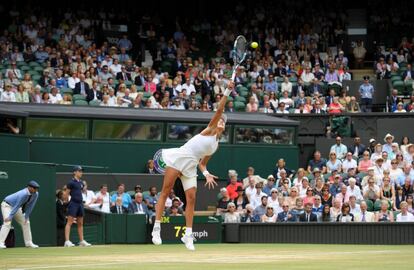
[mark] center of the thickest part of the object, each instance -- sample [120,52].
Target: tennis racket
[239,53]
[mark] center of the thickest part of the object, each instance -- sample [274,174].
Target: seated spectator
[304,187]
[349,162]
[365,162]
[241,200]
[405,216]
[399,197]
[138,206]
[88,197]
[270,184]
[281,165]
[333,163]
[171,197]
[317,162]
[308,215]
[298,209]
[55,97]
[300,175]
[327,198]
[231,216]
[289,103]
[335,107]
[260,209]
[102,198]
[317,207]
[407,188]
[269,216]
[317,174]
[387,191]
[353,106]
[326,213]
[371,191]
[293,196]
[318,108]
[251,175]
[252,106]
[250,189]
[336,209]
[175,208]
[318,186]
[118,208]
[286,85]
[336,184]
[248,216]
[126,199]
[223,202]
[151,200]
[232,187]
[353,189]
[150,167]
[256,198]
[285,215]
[281,109]
[343,195]
[384,215]
[364,215]
[345,215]
[271,84]
[410,202]
[8,95]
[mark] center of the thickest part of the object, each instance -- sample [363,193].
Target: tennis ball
[254,45]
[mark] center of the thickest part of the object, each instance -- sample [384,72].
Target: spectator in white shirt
[404,216]
[73,80]
[8,95]
[188,86]
[88,197]
[286,85]
[256,198]
[289,103]
[349,162]
[355,207]
[354,190]
[116,67]
[307,76]
[13,69]
[55,97]
[102,198]
[339,148]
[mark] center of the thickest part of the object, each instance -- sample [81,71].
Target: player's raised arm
[221,105]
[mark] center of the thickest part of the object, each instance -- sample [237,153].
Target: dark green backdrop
[43,217]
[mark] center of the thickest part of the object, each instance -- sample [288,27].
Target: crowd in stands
[356,183]
[296,69]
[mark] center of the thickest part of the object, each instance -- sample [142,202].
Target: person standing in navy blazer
[19,206]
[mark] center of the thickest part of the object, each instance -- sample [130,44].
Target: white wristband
[227,92]
[205,173]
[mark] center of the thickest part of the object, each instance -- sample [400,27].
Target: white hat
[371,140]
[270,176]
[232,173]
[387,136]
[371,168]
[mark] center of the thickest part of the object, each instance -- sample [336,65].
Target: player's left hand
[210,181]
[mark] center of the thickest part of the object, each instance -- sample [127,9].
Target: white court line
[212,259]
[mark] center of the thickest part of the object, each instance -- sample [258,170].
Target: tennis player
[182,162]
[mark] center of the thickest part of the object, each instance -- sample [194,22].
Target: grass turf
[210,256]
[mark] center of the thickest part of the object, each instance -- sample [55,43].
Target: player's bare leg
[169,179]
[188,239]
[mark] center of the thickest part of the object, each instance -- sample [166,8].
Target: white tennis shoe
[83,243]
[156,236]
[188,240]
[68,244]
[31,245]
[2,246]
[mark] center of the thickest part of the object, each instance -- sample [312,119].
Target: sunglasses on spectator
[394,163]
[317,199]
[293,191]
[274,191]
[285,206]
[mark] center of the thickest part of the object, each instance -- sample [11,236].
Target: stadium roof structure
[65,111]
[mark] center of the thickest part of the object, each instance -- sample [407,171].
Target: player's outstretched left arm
[210,179]
[220,108]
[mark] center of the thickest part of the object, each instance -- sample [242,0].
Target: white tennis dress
[186,158]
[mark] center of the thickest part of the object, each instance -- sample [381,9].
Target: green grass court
[211,256]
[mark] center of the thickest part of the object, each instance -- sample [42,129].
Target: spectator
[285,215]
[271,85]
[61,208]
[8,95]
[269,216]
[317,162]
[102,198]
[353,189]
[333,163]
[248,216]
[365,162]
[336,184]
[349,162]
[410,202]
[308,215]
[326,214]
[383,215]
[317,207]
[175,208]
[260,209]
[343,196]
[327,198]
[281,165]
[223,202]
[345,215]
[405,216]
[298,209]
[269,185]
[366,91]
[241,200]
[126,199]
[232,187]
[359,54]
[336,209]
[355,207]
[231,216]
[256,199]
[251,175]
[150,200]
[138,206]
[371,191]
[118,208]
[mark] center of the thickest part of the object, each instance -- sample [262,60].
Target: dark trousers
[366,104]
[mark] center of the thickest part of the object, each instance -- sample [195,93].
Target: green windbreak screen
[122,130]
[57,128]
[184,132]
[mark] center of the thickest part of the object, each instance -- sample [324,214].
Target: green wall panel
[14,147]
[43,217]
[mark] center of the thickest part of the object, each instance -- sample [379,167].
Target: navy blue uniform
[75,207]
